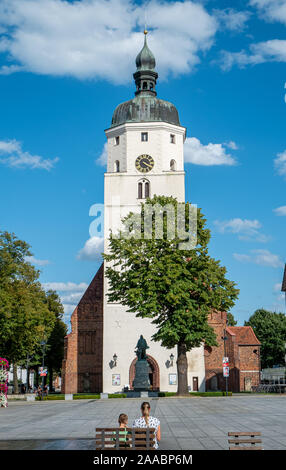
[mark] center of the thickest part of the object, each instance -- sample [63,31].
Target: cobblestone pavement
[186,423]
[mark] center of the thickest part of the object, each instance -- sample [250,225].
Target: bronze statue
[141,349]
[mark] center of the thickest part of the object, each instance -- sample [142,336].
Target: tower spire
[145,77]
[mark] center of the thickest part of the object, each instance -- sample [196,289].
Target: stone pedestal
[141,382]
[68,396]
[104,395]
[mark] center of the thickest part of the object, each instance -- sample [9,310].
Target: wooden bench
[248,439]
[137,439]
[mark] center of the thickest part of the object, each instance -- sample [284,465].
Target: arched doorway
[154,373]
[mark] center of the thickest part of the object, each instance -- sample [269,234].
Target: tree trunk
[182,368]
[15,379]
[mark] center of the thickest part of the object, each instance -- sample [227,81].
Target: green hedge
[82,396]
[198,394]
[117,395]
[52,397]
[167,394]
[210,394]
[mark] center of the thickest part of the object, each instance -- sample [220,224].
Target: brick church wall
[82,364]
[214,354]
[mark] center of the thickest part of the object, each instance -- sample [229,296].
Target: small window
[117,140]
[173,165]
[144,136]
[144,85]
[116,166]
[172,139]
[140,190]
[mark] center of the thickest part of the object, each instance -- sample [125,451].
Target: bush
[210,394]
[117,395]
[167,394]
[82,396]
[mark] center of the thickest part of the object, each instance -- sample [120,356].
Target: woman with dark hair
[147,421]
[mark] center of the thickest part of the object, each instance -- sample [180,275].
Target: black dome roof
[145,108]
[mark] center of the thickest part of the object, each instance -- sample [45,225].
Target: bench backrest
[114,439]
[244,440]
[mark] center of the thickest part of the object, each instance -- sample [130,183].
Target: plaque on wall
[115,379]
[172,379]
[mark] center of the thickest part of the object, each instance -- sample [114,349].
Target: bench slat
[245,441]
[244,433]
[245,448]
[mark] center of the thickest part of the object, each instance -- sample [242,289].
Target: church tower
[145,157]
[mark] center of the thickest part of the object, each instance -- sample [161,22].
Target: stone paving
[186,423]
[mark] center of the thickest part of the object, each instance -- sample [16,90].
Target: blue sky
[64,67]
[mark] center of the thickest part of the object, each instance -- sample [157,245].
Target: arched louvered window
[143,189]
[173,165]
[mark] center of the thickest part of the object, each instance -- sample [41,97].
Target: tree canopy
[270,329]
[28,315]
[176,288]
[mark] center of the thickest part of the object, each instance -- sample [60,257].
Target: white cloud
[65,286]
[277,287]
[37,262]
[245,228]
[92,249]
[272,10]
[281,211]
[261,257]
[280,162]
[100,39]
[211,154]
[232,19]
[273,50]
[102,159]
[14,157]
[71,299]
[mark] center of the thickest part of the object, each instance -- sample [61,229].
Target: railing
[269,388]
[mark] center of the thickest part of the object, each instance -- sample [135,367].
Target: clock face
[144,163]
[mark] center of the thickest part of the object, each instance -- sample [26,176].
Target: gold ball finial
[145,31]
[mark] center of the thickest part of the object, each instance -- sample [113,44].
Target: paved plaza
[187,423]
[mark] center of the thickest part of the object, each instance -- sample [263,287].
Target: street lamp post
[43,344]
[224,344]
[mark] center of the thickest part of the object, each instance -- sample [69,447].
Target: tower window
[117,166]
[117,140]
[147,189]
[173,165]
[172,139]
[144,85]
[144,136]
[143,189]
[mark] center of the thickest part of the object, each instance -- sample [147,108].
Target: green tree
[176,288]
[25,318]
[230,319]
[55,345]
[270,329]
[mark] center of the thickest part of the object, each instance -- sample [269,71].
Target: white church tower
[145,157]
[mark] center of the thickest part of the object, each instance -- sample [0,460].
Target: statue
[141,381]
[141,349]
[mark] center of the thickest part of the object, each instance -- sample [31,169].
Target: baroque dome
[145,106]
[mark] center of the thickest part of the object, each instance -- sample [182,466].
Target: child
[123,435]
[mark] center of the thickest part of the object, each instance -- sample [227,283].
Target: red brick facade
[243,351]
[82,364]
